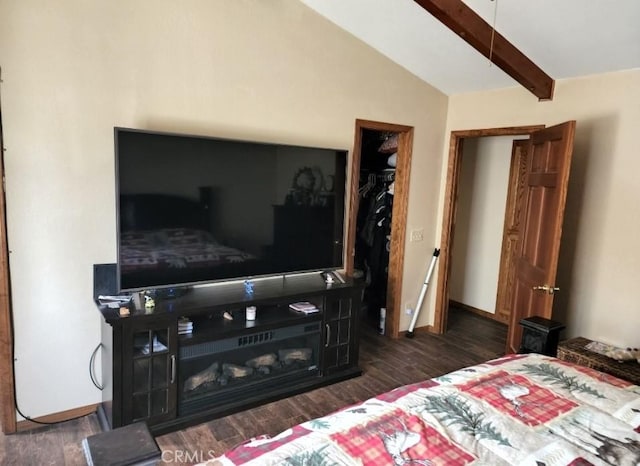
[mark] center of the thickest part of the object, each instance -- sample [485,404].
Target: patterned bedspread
[174,248]
[518,410]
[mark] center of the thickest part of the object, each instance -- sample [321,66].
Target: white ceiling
[566,38]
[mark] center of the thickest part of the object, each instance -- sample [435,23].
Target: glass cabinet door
[150,391]
[339,338]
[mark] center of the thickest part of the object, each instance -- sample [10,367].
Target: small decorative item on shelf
[248,287]
[328,278]
[149,302]
[251,313]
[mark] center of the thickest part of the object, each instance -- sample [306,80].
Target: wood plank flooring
[386,363]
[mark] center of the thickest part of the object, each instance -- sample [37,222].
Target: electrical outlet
[408,311]
[417,234]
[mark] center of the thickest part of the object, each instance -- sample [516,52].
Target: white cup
[251,312]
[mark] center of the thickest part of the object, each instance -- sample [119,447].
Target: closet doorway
[376,240]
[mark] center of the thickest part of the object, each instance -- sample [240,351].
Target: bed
[519,410]
[167,239]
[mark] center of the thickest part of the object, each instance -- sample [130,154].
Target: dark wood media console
[152,373]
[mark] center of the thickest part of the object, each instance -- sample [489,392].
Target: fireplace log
[289,356]
[210,374]
[236,372]
[268,359]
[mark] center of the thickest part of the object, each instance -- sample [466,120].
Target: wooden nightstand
[540,335]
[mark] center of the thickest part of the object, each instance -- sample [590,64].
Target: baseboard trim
[475,310]
[423,329]
[57,417]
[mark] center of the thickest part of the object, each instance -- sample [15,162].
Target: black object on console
[105,280]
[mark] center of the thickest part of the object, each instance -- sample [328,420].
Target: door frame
[398,214]
[7,382]
[450,209]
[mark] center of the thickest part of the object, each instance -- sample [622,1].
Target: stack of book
[185,326]
[305,307]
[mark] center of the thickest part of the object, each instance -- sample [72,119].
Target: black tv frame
[340,182]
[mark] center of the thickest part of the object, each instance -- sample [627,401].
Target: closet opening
[377,218]
[379,154]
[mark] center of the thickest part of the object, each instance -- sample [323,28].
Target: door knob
[547,288]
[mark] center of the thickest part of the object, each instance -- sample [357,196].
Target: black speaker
[105,280]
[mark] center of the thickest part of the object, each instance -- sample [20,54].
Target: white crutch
[423,292]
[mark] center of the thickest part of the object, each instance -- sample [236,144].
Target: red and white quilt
[517,410]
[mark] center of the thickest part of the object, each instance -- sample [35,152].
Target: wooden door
[545,194]
[511,230]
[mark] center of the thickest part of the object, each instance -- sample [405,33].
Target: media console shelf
[171,381]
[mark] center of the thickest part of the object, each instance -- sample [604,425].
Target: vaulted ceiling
[565,38]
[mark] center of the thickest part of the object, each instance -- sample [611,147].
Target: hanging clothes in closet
[374,220]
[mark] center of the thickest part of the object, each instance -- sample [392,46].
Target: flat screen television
[194,209]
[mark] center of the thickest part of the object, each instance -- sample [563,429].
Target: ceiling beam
[465,22]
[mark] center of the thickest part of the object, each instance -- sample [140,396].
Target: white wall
[272,71]
[477,243]
[600,256]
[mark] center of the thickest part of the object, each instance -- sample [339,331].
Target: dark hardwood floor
[386,363]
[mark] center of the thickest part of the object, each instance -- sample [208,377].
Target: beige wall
[270,71]
[600,256]
[482,198]
[250,69]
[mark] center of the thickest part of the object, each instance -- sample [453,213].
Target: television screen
[195,209]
